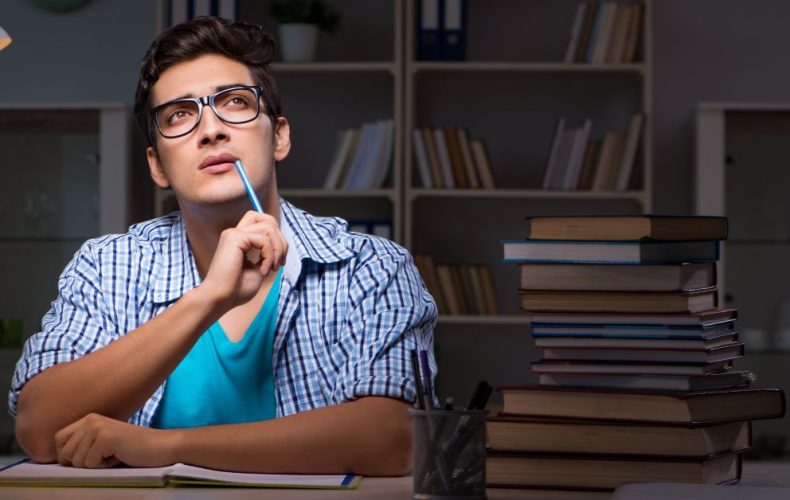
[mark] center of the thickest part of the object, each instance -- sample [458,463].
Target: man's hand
[236,271]
[97,442]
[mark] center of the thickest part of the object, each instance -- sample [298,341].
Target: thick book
[627,227]
[627,367]
[701,319]
[664,407]
[617,277]
[610,252]
[633,342]
[626,302]
[552,435]
[690,383]
[729,351]
[31,474]
[516,470]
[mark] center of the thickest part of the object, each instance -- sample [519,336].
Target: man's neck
[204,225]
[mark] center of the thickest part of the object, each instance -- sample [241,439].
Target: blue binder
[429,30]
[454,30]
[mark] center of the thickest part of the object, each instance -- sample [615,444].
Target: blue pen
[248,187]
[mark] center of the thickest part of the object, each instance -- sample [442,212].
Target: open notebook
[26,473]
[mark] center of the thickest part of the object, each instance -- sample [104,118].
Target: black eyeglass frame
[208,100]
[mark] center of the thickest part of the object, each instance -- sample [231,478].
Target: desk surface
[754,474]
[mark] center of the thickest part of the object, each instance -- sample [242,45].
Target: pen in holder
[449,453]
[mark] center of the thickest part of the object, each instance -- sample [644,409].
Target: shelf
[338,193]
[526,193]
[76,239]
[334,67]
[527,67]
[468,319]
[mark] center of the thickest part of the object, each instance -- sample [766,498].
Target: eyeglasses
[235,105]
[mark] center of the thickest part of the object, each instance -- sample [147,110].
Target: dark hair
[242,42]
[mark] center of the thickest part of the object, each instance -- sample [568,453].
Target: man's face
[194,165]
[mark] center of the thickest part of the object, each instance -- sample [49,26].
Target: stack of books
[634,382]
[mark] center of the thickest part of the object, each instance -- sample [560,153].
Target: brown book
[614,51]
[608,161]
[584,35]
[636,368]
[704,319]
[460,289]
[726,352]
[626,302]
[630,406]
[589,161]
[513,470]
[433,158]
[428,271]
[449,289]
[627,227]
[468,159]
[483,165]
[487,281]
[468,289]
[552,435]
[634,30]
[477,289]
[615,277]
[456,159]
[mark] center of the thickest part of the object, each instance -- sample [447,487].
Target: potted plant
[300,21]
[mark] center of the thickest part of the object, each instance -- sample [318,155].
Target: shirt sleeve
[76,324]
[390,314]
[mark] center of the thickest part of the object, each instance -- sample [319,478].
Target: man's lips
[218,164]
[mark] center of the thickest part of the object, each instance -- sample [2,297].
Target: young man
[182,340]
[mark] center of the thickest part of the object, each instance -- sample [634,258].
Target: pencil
[248,187]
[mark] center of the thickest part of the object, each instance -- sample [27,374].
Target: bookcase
[509,91]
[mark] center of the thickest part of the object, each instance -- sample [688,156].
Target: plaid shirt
[351,308]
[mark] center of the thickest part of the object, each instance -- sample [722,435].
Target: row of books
[363,157]
[448,158]
[441,30]
[578,162]
[376,227]
[634,379]
[604,32]
[458,289]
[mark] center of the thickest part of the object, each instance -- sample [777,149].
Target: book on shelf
[32,474]
[551,172]
[610,252]
[372,157]
[626,168]
[619,28]
[705,407]
[427,269]
[574,39]
[455,156]
[627,368]
[608,161]
[480,154]
[616,302]
[448,180]
[632,38]
[591,152]
[429,31]
[586,31]
[472,175]
[453,46]
[655,354]
[557,435]
[449,291]
[702,319]
[346,146]
[627,227]
[382,163]
[687,383]
[603,35]
[581,136]
[421,159]
[515,470]
[437,177]
[620,277]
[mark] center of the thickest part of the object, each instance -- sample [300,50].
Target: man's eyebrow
[218,88]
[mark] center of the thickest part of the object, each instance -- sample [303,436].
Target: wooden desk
[754,474]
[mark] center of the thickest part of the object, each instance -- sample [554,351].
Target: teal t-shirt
[224,382]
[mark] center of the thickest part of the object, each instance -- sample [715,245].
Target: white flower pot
[298,41]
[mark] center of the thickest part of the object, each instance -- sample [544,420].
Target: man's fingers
[252,217]
[99,456]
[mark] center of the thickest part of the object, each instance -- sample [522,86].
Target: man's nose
[211,127]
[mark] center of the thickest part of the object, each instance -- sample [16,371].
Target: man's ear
[282,139]
[155,166]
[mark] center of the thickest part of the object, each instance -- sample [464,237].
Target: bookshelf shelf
[527,67]
[526,194]
[339,193]
[468,319]
[336,67]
